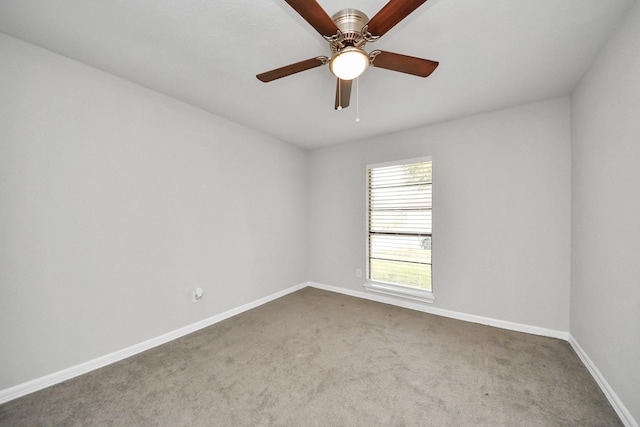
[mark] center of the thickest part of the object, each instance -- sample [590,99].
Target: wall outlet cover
[197,294]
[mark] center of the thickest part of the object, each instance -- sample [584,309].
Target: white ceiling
[492,54]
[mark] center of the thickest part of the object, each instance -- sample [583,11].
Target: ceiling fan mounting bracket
[372,56]
[334,38]
[367,35]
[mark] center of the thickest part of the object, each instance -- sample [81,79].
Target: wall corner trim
[625,416]
[66,374]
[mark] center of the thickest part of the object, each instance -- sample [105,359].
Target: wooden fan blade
[287,70]
[392,13]
[315,15]
[343,93]
[404,64]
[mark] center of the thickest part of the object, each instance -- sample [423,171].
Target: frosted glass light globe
[349,63]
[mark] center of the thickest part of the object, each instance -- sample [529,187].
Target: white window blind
[400,208]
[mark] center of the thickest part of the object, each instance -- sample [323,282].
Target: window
[399,229]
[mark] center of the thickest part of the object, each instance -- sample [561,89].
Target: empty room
[323,213]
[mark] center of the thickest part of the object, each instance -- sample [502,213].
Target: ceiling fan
[347,32]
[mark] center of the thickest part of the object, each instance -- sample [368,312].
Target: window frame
[392,289]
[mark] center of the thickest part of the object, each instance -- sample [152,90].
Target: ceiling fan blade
[315,15]
[403,63]
[392,13]
[287,70]
[343,93]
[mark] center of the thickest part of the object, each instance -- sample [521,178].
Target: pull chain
[357,100]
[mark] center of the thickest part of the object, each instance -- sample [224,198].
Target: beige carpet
[316,358]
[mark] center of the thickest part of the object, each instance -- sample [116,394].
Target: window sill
[414,294]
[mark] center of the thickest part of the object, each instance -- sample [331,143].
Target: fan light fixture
[349,63]
[347,32]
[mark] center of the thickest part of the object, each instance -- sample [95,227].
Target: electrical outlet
[358,273]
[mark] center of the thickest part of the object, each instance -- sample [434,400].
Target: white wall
[605,290]
[501,211]
[116,201]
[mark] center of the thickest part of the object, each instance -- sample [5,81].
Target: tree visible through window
[400,212]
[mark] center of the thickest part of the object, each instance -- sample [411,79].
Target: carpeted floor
[316,358]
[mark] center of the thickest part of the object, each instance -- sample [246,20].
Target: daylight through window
[399,241]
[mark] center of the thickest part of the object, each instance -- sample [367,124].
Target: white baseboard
[621,410]
[57,377]
[74,371]
[512,326]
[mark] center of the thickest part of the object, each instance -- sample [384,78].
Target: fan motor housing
[350,23]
